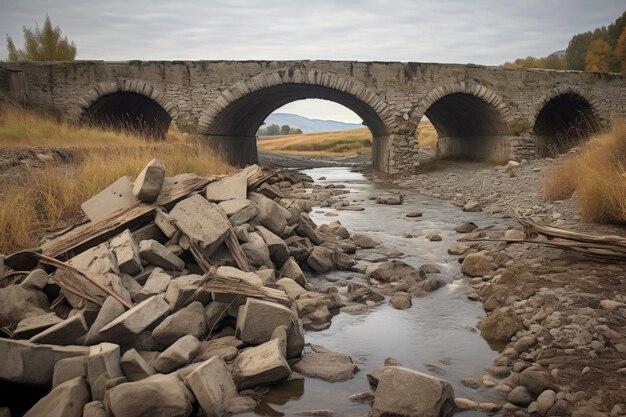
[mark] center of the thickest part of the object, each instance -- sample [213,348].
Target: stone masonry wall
[186,89]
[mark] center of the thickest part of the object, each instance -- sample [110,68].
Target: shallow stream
[435,336]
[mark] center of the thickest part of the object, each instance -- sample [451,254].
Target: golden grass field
[49,199]
[339,143]
[596,176]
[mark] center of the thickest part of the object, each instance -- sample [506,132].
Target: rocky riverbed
[559,318]
[322,293]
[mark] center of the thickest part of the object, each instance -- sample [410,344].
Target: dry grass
[596,176]
[336,143]
[426,134]
[339,143]
[50,199]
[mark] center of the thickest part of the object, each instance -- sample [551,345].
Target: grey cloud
[482,31]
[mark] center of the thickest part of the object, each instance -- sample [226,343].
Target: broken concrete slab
[227,188]
[291,269]
[157,283]
[155,396]
[257,251]
[116,196]
[103,364]
[163,221]
[291,287]
[110,310]
[158,255]
[187,320]
[65,400]
[149,182]
[239,211]
[64,332]
[126,253]
[134,321]
[257,319]
[260,365]
[135,366]
[23,362]
[69,368]
[277,247]
[178,354]
[213,385]
[18,303]
[184,290]
[202,222]
[271,214]
[30,326]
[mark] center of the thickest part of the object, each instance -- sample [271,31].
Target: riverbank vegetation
[47,194]
[596,176]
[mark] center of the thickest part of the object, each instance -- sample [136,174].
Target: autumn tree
[620,50]
[598,56]
[42,44]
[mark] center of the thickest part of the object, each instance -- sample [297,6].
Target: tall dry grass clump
[596,176]
[49,199]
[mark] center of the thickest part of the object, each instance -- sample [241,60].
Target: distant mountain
[309,125]
[559,53]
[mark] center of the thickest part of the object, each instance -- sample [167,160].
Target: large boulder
[178,354]
[65,400]
[201,222]
[500,325]
[261,365]
[277,247]
[403,392]
[365,241]
[134,321]
[257,250]
[478,265]
[148,184]
[184,290]
[214,388]
[227,188]
[392,271]
[155,396]
[126,253]
[18,303]
[271,214]
[110,310]
[321,259]
[103,365]
[239,211]
[24,362]
[326,365]
[257,319]
[135,367]
[188,320]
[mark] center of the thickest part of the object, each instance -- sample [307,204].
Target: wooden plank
[117,221]
[236,252]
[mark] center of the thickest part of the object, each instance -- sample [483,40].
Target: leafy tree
[620,50]
[553,62]
[284,129]
[295,131]
[598,56]
[577,51]
[45,44]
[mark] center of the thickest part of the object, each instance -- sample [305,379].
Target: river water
[435,336]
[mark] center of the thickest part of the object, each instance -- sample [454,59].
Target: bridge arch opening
[129,111]
[468,127]
[231,123]
[563,122]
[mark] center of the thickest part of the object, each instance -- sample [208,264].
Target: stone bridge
[479,112]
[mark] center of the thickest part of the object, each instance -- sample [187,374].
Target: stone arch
[231,120]
[563,118]
[471,121]
[129,104]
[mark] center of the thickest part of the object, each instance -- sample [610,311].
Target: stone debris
[152,333]
[148,183]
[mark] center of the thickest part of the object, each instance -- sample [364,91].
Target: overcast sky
[463,31]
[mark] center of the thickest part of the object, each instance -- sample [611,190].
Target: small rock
[401,301]
[148,184]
